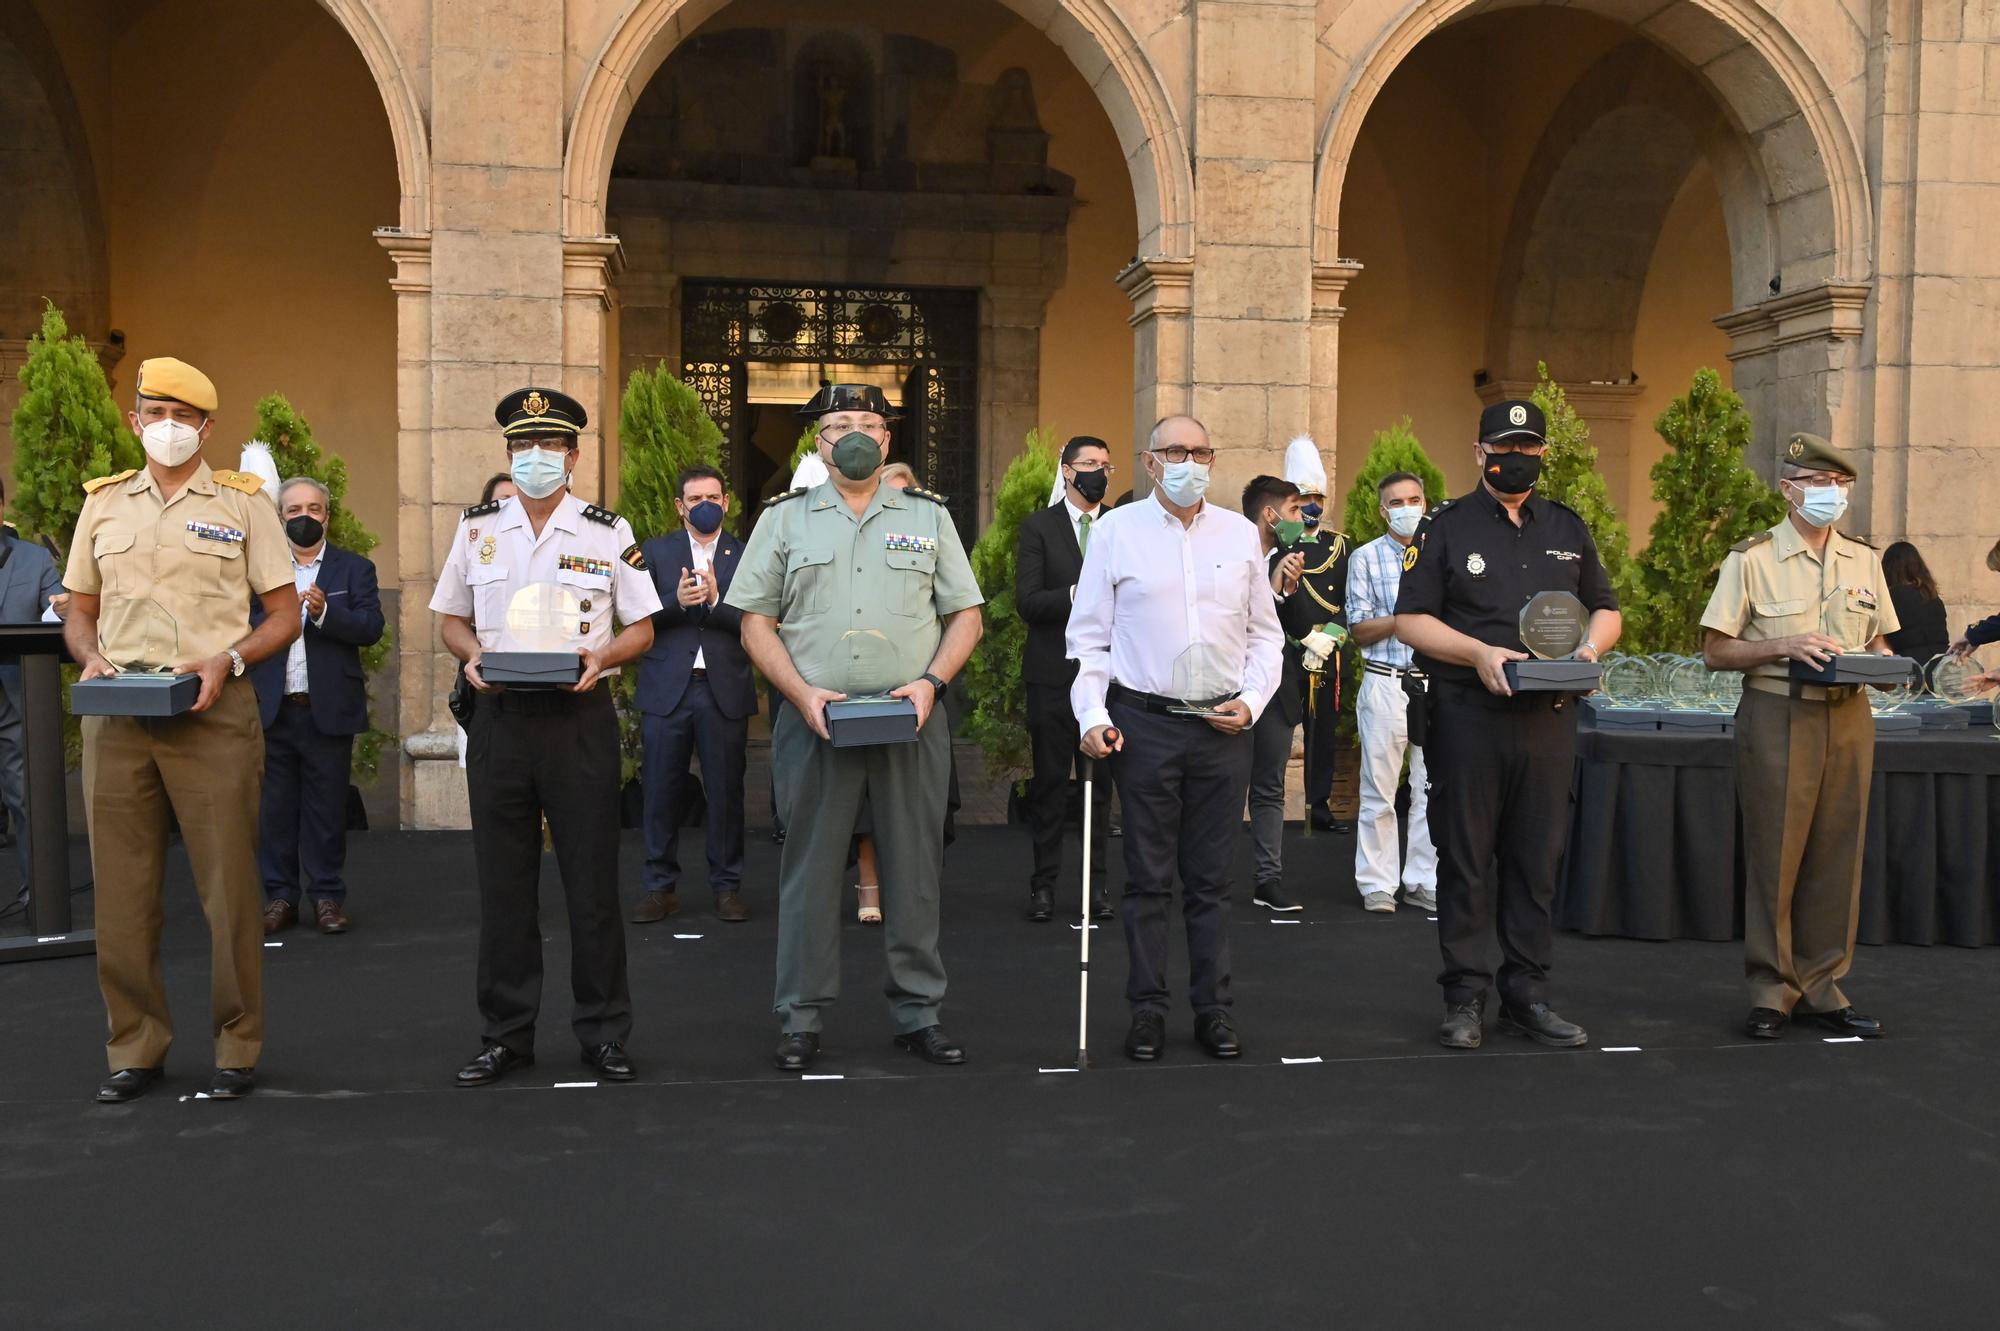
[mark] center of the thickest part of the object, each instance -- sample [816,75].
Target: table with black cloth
[1655,839]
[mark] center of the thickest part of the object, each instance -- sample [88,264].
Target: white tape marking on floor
[1314,1059]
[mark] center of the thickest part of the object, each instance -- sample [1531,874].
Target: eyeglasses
[1821,478]
[1175,453]
[522,445]
[836,431]
[1081,467]
[1535,449]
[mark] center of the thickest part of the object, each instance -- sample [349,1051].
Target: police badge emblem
[535,404]
[1410,558]
[1517,415]
[1475,564]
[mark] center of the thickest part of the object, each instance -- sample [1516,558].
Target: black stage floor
[1697,1181]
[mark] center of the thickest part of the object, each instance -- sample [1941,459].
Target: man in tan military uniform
[872,593]
[1805,753]
[161,571]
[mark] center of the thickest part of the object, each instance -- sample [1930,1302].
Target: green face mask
[1288,531]
[857,455]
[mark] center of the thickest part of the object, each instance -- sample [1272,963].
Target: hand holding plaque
[141,641]
[536,640]
[1553,628]
[1205,676]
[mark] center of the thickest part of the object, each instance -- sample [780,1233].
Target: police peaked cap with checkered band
[849,397]
[531,411]
[1513,421]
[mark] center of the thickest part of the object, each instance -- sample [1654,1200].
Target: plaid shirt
[1374,573]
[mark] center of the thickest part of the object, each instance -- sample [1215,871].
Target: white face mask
[170,442]
[1403,521]
[1821,505]
[1184,482]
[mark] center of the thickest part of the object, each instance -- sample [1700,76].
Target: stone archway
[1796,194]
[407,127]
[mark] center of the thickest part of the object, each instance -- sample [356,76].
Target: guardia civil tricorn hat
[539,411]
[849,397]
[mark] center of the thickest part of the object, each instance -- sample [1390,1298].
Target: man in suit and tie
[1047,559]
[28,584]
[313,699]
[695,696]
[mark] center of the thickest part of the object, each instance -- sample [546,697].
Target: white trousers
[1380,713]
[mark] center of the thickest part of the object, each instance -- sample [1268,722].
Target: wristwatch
[235,661]
[936,683]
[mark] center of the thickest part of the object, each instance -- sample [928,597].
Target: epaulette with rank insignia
[481,510]
[603,515]
[92,486]
[1749,543]
[926,494]
[789,494]
[240,480]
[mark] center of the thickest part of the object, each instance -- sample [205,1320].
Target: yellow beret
[165,377]
[1817,454]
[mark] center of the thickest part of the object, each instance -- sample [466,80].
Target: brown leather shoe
[655,906]
[732,908]
[330,918]
[279,914]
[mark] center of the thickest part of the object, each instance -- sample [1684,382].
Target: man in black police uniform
[552,752]
[1499,762]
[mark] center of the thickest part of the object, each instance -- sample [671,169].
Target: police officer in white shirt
[535,753]
[1164,575]
[1381,712]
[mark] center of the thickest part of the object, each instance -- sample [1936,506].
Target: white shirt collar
[1076,513]
[319,557]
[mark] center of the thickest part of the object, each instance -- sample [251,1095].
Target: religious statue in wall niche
[832,114]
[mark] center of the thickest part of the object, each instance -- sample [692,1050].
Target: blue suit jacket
[334,677]
[28,579]
[677,632]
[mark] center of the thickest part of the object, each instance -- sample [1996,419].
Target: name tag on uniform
[215,531]
[600,568]
[920,544]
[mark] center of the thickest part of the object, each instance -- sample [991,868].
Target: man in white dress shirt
[1173,612]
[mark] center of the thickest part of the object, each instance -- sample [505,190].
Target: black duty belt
[1154,702]
[1377,668]
[541,702]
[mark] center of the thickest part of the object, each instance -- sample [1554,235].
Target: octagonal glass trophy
[536,637]
[142,640]
[1205,676]
[1553,627]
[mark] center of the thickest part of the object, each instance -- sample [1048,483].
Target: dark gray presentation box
[1553,676]
[531,669]
[1856,668]
[134,695]
[859,722]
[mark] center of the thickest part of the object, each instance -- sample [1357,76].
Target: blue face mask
[539,472]
[705,517]
[1312,513]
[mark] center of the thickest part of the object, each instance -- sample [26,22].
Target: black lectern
[39,649]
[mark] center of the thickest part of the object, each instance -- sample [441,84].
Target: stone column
[1329,283]
[1792,356]
[492,320]
[590,265]
[1162,367]
[1254,145]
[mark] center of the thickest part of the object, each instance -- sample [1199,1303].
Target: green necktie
[1083,534]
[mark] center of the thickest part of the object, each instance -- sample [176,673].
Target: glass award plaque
[142,641]
[1950,680]
[1628,681]
[1553,626]
[1205,676]
[536,640]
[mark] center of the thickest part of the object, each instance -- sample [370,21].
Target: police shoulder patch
[98,483]
[922,493]
[789,494]
[240,480]
[481,510]
[1749,543]
[607,517]
[635,557]
[1410,557]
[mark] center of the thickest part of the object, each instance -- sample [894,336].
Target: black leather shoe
[232,1083]
[932,1045]
[1464,1024]
[1100,905]
[797,1051]
[1539,1022]
[1765,1023]
[1847,1022]
[1271,896]
[1321,816]
[127,1084]
[609,1060]
[1214,1032]
[1041,905]
[1147,1037]
[494,1062]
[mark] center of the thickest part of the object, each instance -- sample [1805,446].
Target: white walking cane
[1083,917]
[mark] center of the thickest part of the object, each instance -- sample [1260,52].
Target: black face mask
[1091,485]
[304,531]
[1512,473]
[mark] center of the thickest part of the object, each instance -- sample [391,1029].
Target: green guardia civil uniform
[860,603]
